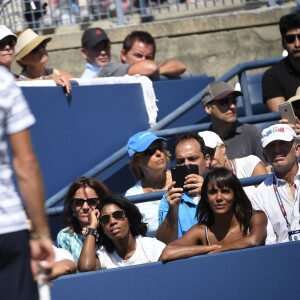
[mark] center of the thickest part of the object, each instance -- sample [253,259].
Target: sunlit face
[291,43]
[154,157]
[188,152]
[7,51]
[138,52]
[116,228]
[218,160]
[38,56]
[220,199]
[81,211]
[281,155]
[223,109]
[98,55]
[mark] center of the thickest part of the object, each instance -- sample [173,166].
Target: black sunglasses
[78,202]
[118,215]
[226,102]
[290,38]
[37,48]
[8,41]
[151,151]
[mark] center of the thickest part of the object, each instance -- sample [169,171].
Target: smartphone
[180,172]
[287,112]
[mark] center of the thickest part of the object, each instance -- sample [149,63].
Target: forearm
[87,258]
[147,67]
[172,67]
[63,267]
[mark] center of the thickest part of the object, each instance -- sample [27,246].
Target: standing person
[95,50]
[83,196]
[16,277]
[281,81]
[278,196]
[242,167]
[32,56]
[226,220]
[178,207]
[138,57]
[149,158]
[119,232]
[220,102]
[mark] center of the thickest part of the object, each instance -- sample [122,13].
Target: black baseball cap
[92,36]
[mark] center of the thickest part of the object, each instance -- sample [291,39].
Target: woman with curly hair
[119,240]
[83,195]
[226,220]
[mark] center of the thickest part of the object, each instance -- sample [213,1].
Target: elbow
[85,267]
[257,241]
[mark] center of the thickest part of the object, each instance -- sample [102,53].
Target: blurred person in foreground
[16,271]
[149,158]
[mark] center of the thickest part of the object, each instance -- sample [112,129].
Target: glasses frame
[74,200]
[151,150]
[108,216]
[225,102]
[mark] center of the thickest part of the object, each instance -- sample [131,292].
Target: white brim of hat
[30,46]
[278,136]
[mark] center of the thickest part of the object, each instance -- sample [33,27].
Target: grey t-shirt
[113,69]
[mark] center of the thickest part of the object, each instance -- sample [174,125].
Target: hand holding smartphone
[180,172]
[287,112]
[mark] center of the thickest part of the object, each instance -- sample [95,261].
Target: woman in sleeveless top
[32,56]
[119,240]
[226,220]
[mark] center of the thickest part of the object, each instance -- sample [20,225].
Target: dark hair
[189,136]
[138,35]
[100,189]
[242,208]
[288,22]
[135,219]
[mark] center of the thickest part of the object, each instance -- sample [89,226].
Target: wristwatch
[93,232]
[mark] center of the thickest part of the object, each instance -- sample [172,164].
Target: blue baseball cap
[141,141]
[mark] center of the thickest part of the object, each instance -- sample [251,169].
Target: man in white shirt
[278,195]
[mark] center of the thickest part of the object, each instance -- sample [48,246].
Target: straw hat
[296,97]
[27,41]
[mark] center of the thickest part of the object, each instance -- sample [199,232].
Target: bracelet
[40,235]
[93,232]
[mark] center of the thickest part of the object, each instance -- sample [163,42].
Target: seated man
[95,50]
[281,81]
[278,195]
[138,56]
[178,207]
[220,102]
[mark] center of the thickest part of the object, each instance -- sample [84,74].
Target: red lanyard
[232,167]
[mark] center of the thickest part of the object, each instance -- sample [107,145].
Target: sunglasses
[37,48]
[78,202]
[118,215]
[8,41]
[290,38]
[151,151]
[226,102]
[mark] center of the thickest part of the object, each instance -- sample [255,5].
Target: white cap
[281,132]
[4,32]
[211,139]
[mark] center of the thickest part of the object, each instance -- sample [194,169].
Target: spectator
[226,220]
[220,102]
[8,41]
[95,50]
[148,162]
[138,56]
[281,81]
[241,167]
[82,197]
[32,56]
[16,269]
[278,195]
[121,237]
[178,207]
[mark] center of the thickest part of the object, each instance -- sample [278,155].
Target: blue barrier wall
[268,272]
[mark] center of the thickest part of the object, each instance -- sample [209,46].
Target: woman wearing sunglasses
[119,239]
[149,158]
[7,43]
[82,198]
[32,56]
[226,220]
